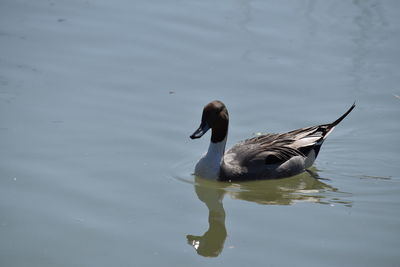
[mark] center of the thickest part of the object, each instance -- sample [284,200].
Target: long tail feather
[331,126]
[336,122]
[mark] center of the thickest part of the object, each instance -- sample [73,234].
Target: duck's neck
[216,151]
[209,165]
[218,138]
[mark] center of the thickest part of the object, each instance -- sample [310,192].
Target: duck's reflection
[306,187]
[211,243]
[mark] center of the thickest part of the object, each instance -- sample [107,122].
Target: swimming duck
[268,156]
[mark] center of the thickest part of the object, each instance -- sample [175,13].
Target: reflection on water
[306,187]
[211,243]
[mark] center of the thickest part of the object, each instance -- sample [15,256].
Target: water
[98,99]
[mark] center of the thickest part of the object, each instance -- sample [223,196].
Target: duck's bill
[200,131]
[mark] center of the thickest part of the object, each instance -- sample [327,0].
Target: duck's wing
[272,155]
[278,148]
[276,155]
[260,157]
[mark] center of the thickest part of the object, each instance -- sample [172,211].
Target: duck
[267,156]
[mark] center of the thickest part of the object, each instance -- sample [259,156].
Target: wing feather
[278,148]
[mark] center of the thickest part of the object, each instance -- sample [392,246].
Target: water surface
[98,99]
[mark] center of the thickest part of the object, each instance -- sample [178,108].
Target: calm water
[98,99]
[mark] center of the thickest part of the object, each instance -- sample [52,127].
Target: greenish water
[98,99]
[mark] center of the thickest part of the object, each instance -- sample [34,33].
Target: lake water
[98,99]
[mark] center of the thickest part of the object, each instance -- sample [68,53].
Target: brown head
[215,116]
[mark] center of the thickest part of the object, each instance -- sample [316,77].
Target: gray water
[98,99]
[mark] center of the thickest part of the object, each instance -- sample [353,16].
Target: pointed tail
[336,122]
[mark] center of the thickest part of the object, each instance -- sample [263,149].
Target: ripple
[305,187]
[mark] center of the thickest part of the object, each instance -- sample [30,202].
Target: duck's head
[215,116]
